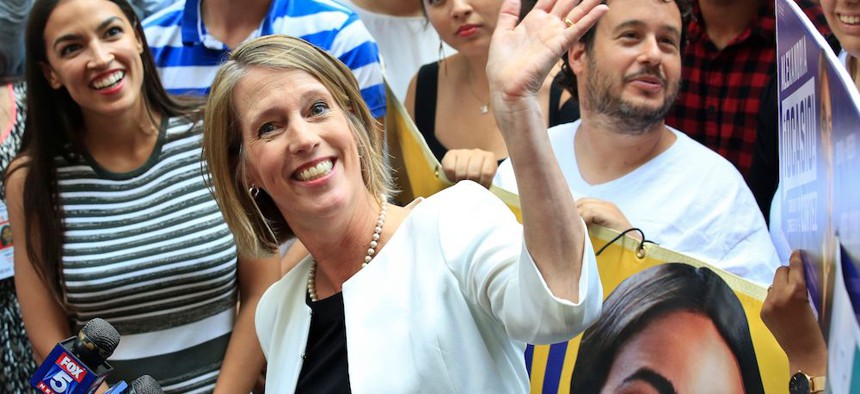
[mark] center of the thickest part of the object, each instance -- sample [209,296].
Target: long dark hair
[654,293]
[55,128]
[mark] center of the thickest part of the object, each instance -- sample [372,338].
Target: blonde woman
[437,296]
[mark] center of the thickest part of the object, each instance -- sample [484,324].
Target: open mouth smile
[109,81]
[317,171]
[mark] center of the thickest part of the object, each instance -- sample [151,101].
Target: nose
[460,9]
[301,138]
[101,55]
[650,51]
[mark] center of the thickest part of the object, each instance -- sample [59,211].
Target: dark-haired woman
[112,214]
[450,99]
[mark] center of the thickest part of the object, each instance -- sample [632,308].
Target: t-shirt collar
[194,31]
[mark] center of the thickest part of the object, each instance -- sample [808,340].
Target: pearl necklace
[374,242]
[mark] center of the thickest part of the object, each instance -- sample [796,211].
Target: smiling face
[843,17]
[465,25]
[633,69]
[679,353]
[93,52]
[298,145]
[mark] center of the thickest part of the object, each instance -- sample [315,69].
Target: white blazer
[447,306]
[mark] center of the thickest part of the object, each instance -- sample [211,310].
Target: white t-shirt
[405,43]
[687,199]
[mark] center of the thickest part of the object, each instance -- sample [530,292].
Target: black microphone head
[145,385]
[96,342]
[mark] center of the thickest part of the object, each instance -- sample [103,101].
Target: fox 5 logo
[64,376]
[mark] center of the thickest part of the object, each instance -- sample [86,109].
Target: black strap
[426,93]
[640,250]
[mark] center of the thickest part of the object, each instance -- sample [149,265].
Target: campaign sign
[819,120]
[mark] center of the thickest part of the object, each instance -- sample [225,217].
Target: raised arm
[521,56]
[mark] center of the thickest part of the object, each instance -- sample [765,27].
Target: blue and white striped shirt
[188,57]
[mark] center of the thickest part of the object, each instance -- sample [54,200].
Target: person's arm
[244,360]
[521,56]
[788,315]
[44,318]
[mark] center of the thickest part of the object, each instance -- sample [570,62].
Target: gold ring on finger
[568,22]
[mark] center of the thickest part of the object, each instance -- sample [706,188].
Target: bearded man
[628,169]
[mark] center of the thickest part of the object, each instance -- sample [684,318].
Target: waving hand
[522,55]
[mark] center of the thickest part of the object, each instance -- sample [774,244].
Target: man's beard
[631,119]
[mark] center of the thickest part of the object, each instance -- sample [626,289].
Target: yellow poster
[712,315]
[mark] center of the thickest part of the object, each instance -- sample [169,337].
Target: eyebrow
[652,378]
[256,118]
[638,23]
[72,37]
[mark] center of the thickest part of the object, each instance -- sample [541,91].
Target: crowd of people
[210,177]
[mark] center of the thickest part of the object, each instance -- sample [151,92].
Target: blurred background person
[13,15]
[405,38]
[729,75]
[450,99]
[672,328]
[837,13]
[16,355]
[191,38]
[145,8]
[112,212]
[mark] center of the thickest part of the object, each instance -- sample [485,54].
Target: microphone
[77,365]
[143,385]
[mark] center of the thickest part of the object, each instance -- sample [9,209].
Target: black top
[325,368]
[426,89]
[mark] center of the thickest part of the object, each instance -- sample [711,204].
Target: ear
[50,75]
[139,45]
[248,174]
[577,57]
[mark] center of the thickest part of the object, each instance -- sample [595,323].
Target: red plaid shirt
[721,90]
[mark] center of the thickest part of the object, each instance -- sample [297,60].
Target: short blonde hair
[256,222]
